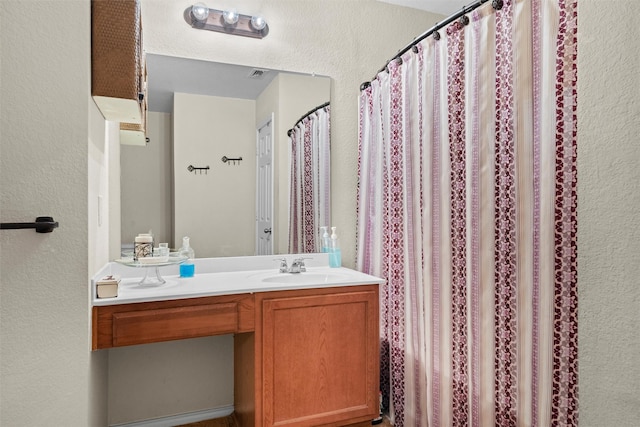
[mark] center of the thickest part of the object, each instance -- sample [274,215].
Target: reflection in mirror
[199,113]
[309,180]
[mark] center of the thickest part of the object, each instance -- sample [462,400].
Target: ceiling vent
[257,73]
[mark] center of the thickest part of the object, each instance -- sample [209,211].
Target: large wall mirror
[200,114]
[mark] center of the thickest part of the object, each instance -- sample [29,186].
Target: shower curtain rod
[497,5]
[326,104]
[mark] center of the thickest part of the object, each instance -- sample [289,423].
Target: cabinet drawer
[145,322]
[139,327]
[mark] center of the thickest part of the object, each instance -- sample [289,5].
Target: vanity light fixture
[200,11]
[230,16]
[229,21]
[258,22]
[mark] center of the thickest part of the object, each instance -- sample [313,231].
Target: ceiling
[442,7]
[167,74]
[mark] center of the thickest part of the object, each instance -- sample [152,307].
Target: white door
[264,188]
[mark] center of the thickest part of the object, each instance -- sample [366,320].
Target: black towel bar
[43,224]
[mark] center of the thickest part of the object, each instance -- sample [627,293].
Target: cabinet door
[320,357]
[117,59]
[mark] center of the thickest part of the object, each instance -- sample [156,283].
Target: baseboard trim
[176,420]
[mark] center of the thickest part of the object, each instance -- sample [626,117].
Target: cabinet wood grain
[319,357]
[139,327]
[142,323]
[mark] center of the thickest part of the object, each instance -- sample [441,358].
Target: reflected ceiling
[169,74]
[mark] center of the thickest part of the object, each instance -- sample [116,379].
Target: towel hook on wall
[43,224]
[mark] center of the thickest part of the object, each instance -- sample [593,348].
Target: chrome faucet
[297,266]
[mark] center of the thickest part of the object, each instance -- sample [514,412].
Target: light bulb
[258,23]
[230,16]
[200,11]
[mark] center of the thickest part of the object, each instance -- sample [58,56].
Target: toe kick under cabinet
[301,357]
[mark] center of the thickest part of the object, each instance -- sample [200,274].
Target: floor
[230,421]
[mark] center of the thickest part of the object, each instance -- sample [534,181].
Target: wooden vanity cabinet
[148,322]
[316,359]
[301,357]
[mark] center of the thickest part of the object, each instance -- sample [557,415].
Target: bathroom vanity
[306,349]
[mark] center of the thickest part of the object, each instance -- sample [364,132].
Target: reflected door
[264,189]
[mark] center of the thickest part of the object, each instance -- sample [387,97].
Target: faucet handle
[284,268]
[299,264]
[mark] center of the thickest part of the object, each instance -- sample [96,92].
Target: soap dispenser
[335,256]
[187,268]
[325,241]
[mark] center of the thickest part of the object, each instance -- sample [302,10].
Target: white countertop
[227,276]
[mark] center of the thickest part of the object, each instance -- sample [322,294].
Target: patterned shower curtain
[467,207]
[309,193]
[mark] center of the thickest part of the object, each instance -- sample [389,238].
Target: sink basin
[306,278]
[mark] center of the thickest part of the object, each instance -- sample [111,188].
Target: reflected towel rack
[319,107]
[228,160]
[43,224]
[194,169]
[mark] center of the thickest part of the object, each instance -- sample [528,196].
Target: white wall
[48,375]
[147,183]
[170,378]
[608,204]
[215,209]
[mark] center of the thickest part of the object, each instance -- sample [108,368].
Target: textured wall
[608,202]
[46,372]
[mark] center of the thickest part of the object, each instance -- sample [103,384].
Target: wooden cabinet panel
[141,323]
[165,324]
[319,357]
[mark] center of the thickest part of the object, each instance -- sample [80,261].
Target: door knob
[267,230]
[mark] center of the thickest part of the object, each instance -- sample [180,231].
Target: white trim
[175,420]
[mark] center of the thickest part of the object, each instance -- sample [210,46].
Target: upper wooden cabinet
[118,74]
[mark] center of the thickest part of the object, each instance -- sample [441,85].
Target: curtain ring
[497,4]
[436,35]
[414,49]
[464,20]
